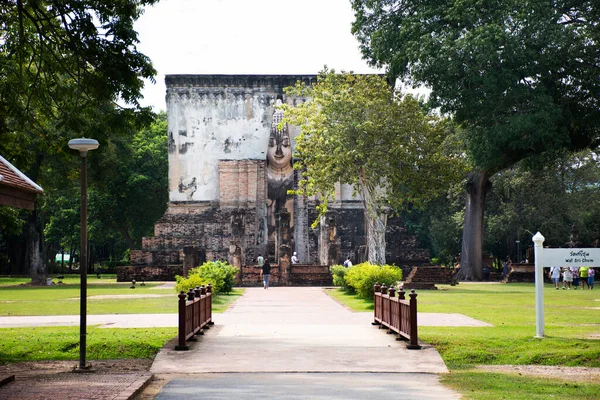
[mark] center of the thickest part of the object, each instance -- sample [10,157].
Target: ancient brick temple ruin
[230,169]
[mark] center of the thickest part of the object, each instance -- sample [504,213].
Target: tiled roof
[11,176]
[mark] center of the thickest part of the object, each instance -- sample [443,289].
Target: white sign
[570,257]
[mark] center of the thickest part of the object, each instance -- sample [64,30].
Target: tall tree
[357,130]
[64,66]
[520,75]
[131,182]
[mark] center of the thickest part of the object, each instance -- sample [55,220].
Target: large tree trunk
[34,256]
[128,239]
[471,257]
[376,221]
[376,226]
[72,250]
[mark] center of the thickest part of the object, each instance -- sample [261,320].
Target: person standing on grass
[567,278]
[265,273]
[555,275]
[591,274]
[575,272]
[583,276]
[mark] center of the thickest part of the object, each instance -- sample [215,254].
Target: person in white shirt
[295,259]
[555,275]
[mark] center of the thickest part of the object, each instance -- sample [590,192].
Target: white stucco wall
[217,117]
[207,128]
[220,117]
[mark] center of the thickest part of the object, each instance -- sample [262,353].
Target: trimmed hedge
[362,277]
[338,272]
[219,274]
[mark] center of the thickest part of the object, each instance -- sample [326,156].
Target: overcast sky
[246,37]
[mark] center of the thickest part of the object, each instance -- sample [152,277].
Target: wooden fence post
[182,300]
[376,304]
[414,340]
[392,295]
[198,311]
[401,294]
[209,290]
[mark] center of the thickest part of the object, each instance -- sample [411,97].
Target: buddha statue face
[279,153]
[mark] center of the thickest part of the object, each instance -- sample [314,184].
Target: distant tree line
[71,69]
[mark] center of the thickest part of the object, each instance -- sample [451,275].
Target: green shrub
[362,277]
[338,272]
[219,274]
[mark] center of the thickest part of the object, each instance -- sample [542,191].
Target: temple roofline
[214,80]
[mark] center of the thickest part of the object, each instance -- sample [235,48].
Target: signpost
[545,258]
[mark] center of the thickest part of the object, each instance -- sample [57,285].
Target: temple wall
[217,117]
[230,169]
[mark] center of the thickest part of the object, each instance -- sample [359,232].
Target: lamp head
[83,145]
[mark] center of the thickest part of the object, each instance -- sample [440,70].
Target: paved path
[346,386]
[268,334]
[296,330]
[170,320]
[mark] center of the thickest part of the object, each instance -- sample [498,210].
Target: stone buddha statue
[280,178]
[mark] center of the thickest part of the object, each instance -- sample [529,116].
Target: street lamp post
[83,145]
[518,251]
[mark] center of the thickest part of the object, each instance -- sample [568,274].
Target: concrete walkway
[277,386]
[296,330]
[268,334]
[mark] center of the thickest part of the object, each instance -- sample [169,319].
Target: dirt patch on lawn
[130,296]
[125,296]
[34,368]
[580,374]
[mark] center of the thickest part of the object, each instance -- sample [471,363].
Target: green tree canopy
[66,69]
[357,130]
[520,75]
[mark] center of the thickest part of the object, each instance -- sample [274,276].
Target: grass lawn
[572,329]
[62,343]
[19,299]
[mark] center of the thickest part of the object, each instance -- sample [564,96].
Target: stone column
[301,224]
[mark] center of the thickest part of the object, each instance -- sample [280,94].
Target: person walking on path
[555,275]
[591,274]
[583,275]
[265,272]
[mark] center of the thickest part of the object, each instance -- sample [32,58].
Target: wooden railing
[195,314]
[397,314]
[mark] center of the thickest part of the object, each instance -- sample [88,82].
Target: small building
[16,189]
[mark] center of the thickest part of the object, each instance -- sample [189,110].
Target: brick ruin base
[126,274]
[298,275]
[425,277]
